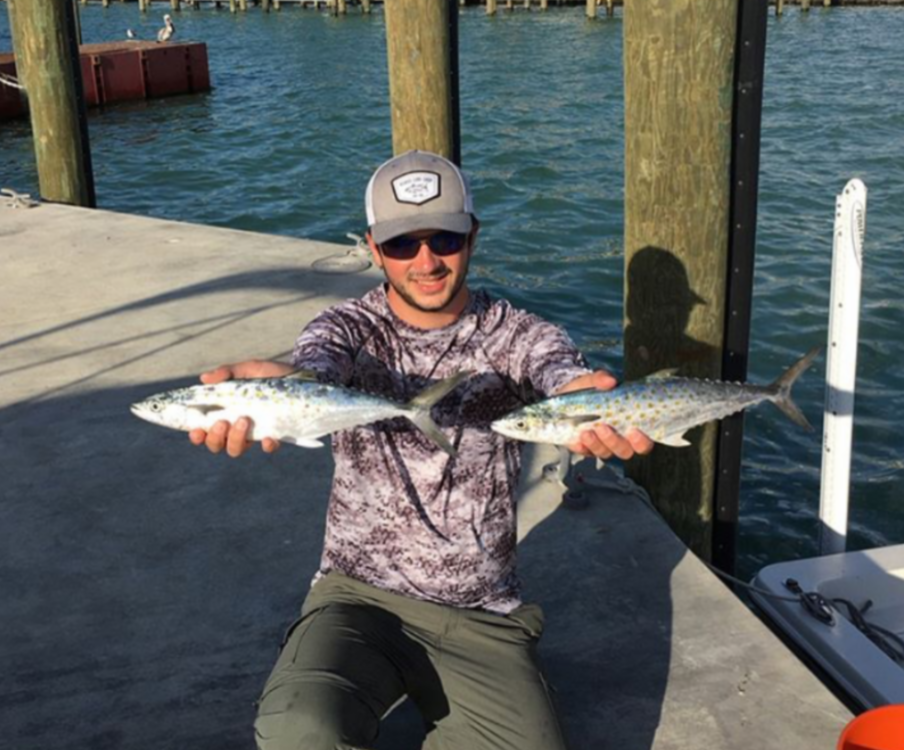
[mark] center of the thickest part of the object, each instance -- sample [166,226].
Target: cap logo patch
[416,188]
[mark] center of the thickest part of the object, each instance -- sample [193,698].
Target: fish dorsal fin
[663,374]
[306,375]
[581,419]
[206,408]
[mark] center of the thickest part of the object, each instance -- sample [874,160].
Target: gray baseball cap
[418,190]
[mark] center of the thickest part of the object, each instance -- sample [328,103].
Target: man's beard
[403,293]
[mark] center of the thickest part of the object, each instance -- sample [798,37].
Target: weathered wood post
[365,6]
[526,4]
[610,8]
[510,4]
[805,6]
[277,5]
[243,5]
[105,3]
[47,65]
[422,47]
[779,7]
[677,185]
[544,4]
[342,7]
[491,7]
[591,9]
[176,5]
[265,6]
[232,6]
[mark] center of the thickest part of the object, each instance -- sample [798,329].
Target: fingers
[231,438]
[237,437]
[218,375]
[604,442]
[599,379]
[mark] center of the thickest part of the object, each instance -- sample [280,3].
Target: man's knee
[294,717]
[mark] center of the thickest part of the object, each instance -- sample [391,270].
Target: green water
[299,117]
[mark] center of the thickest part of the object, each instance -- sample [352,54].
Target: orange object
[879,729]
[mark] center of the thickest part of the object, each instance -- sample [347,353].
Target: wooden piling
[342,7]
[232,6]
[491,7]
[176,5]
[805,6]
[591,9]
[265,6]
[677,187]
[47,63]
[544,4]
[277,5]
[422,49]
[365,6]
[243,6]
[779,7]
[610,8]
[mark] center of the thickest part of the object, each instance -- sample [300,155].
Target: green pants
[357,651]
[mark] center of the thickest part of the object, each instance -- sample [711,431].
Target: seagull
[130,34]
[166,33]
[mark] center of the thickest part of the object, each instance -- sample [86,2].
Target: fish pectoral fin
[676,441]
[302,442]
[206,408]
[582,419]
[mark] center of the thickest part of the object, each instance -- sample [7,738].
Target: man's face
[426,271]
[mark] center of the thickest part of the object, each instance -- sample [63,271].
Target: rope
[17,200]
[889,643]
[8,80]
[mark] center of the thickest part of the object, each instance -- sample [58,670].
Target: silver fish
[294,409]
[661,405]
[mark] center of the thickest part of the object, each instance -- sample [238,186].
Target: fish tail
[782,388]
[419,410]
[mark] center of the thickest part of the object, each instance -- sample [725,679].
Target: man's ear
[374,250]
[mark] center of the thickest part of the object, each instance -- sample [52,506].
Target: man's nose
[425,260]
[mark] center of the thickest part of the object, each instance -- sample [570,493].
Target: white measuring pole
[841,366]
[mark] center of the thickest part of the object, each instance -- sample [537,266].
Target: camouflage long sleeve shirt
[403,515]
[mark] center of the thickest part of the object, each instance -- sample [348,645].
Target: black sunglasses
[406,247]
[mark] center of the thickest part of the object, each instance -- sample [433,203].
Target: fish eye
[521,425]
[156,406]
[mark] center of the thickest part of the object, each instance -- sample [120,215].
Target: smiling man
[417,593]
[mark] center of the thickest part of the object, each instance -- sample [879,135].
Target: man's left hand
[602,441]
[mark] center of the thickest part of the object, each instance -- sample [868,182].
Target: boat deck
[147,583]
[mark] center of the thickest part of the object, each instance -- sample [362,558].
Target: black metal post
[745,165]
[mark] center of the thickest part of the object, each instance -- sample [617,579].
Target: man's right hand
[234,437]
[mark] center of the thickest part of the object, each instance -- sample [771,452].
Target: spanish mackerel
[661,405]
[294,409]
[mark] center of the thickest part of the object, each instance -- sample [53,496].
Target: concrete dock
[146,583]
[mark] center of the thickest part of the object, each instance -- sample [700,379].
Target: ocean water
[299,117]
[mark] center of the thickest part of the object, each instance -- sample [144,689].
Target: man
[417,593]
